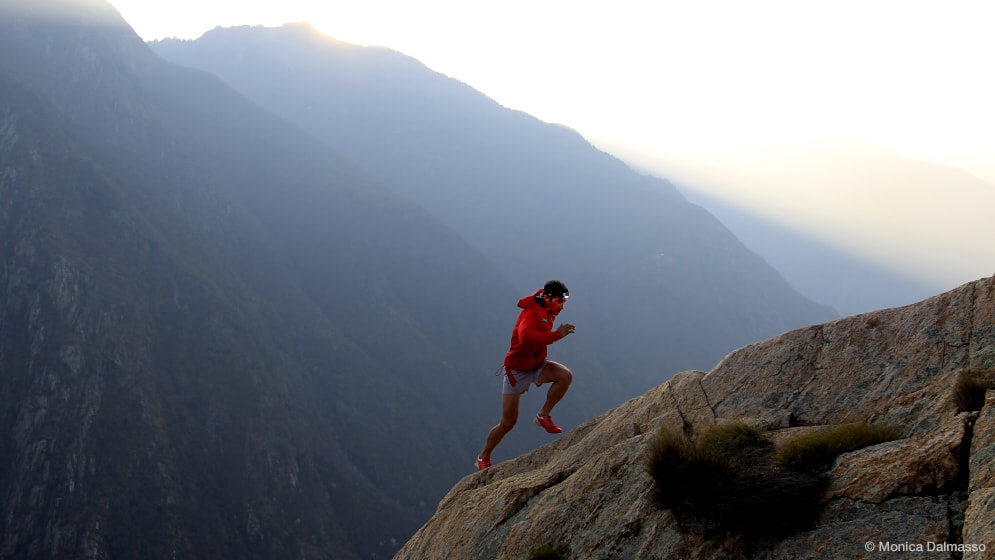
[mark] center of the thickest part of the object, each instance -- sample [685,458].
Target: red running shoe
[483,463]
[547,423]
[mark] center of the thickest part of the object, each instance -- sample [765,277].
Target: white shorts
[523,380]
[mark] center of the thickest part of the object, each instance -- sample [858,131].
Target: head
[555,294]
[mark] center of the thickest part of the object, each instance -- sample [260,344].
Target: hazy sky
[705,80]
[911,75]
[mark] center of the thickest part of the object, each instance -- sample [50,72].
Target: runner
[526,363]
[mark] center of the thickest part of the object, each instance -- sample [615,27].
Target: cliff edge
[588,495]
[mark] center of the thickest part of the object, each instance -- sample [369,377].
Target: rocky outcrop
[588,494]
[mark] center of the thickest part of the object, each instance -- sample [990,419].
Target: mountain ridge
[220,337]
[839,195]
[530,196]
[183,345]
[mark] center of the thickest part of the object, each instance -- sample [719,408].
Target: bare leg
[560,377]
[509,416]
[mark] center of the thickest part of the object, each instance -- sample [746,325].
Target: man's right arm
[532,336]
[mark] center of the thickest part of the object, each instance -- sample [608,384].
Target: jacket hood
[529,302]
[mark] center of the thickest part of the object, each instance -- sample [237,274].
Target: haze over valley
[255,284]
[760,108]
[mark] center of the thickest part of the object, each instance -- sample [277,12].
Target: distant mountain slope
[850,283]
[659,285]
[217,338]
[903,226]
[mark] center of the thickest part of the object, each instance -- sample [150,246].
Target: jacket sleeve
[532,335]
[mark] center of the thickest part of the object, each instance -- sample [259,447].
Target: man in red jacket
[526,363]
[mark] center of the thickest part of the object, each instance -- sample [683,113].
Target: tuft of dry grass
[739,445]
[681,468]
[547,551]
[817,450]
[724,479]
[969,392]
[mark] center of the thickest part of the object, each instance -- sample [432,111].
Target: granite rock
[588,494]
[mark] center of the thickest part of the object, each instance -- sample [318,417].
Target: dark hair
[555,288]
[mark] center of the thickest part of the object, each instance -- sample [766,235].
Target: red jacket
[533,333]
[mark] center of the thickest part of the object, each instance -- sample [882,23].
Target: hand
[566,328]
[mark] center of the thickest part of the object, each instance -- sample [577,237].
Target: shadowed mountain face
[220,338]
[217,339]
[658,284]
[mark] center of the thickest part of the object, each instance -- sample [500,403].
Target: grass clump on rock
[817,450]
[724,479]
[969,391]
[546,551]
